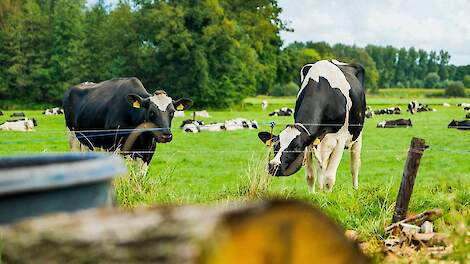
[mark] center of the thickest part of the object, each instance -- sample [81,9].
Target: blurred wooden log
[258,232]
[415,153]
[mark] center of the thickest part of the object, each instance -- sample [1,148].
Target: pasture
[219,166]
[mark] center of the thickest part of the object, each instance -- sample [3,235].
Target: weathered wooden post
[415,153]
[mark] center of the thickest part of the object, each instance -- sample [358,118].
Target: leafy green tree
[431,80]
[466,81]
[455,89]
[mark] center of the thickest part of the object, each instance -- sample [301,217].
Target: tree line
[215,51]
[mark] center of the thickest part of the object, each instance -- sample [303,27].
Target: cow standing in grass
[105,113]
[329,115]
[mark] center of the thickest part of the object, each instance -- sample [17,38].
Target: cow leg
[333,164]
[310,175]
[323,153]
[356,161]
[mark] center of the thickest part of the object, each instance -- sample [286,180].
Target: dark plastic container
[37,185]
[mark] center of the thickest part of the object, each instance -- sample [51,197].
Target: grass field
[219,166]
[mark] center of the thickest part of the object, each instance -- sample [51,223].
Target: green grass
[211,167]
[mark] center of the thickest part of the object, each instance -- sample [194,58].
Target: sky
[425,24]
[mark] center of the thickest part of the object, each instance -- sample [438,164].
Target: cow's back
[98,106]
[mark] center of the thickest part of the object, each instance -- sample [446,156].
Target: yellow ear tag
[180,107]
[268,143]
[316,142]
[136,104]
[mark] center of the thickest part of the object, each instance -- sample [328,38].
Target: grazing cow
[285,111]
[388,111]
[395,123]
[264,105]
[23,124]
[202,113]
[462,125]
[329,116]
[17,114]
[105,113]
[53,111]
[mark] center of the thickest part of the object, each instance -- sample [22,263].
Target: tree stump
[258,232]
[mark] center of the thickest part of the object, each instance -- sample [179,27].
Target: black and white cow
[416,107]
[395,123]
[462,125]
[264,105]
[1,113]
[22,124]
[467,115]
[53,111]
[285,111]
[388,111]
[99,111]
[329,116]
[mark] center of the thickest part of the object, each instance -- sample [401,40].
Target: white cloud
[426,24]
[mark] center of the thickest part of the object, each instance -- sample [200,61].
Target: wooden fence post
[415,153]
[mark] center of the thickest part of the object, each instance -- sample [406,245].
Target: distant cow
[23,124]
[462,125]
[464,105]
[53,111]
[285,111]
[415,107]
[369,112]
[17,114]
[446,104]
[1,113]
[388,111]
[105,113]
[395,123]
[264,105]
[240,123]
[195,126]
[466,108]
[467,115]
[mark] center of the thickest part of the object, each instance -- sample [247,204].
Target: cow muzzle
[163,136]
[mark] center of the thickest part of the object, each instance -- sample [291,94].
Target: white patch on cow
[285,138]
[161,100]
[339,62]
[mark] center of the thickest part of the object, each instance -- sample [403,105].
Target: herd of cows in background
[329,115]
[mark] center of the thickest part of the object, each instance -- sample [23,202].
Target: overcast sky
[426,24]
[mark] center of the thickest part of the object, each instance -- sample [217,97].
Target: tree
[466,81]
[431,80]
[455,89]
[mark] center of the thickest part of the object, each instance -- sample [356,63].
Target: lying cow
[416,107]
[462,125]
[110,110]
[388,111]
[285,111]
[53,111]
[191,126]
[467,108]
[195,126]
[240,123]
[395,123]
[17,114]
[467,115]
[329,116]
[464,105]
[23,124]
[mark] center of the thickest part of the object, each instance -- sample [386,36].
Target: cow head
[159,109]
[288,147]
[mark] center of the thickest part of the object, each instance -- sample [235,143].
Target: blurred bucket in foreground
[41,184]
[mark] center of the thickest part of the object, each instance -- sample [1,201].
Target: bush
[289,89]
[431,80]
[455,89]
[466,81]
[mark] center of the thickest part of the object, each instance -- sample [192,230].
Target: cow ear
[265,136]
[182,104]
[136,101]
